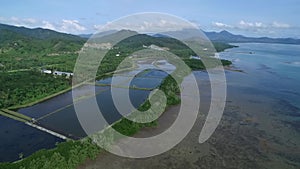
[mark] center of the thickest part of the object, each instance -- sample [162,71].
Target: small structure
[46,71]
[33,120]
[156,47]
[217,55]
[58,73]
[161,62]
[195,57]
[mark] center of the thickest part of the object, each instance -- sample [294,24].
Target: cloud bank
[275,28]
[65,25]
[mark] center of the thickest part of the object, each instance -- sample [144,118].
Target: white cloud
[48,25]
[147,25]
[256,26]
[280,25]
[67,26]
[28,22]
[248,25]
[98,27]
[221,25]
[71,26]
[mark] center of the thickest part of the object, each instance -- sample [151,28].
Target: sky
[272,18]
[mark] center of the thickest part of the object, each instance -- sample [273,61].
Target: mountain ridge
[14,38]
[222,36]
[227,37]
[38,33]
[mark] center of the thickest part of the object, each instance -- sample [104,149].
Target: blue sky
[274,18]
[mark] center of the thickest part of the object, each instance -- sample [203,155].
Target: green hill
[23,48]
[37,40]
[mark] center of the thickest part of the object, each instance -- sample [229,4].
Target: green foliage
[195,64]
[19,88]
[220,47]
[226,62]
[171,89]
[22,48]
[128,127]
[66,155]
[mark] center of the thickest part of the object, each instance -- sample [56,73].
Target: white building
[58,73]
[195,57]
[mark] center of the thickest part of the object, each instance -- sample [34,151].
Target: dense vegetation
[195,64]
[23,48]
[66,155]
[219,46]
[17,88]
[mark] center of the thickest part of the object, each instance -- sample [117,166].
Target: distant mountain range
[65,41]
[227,37]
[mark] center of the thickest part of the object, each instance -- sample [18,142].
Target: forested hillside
[25,52]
